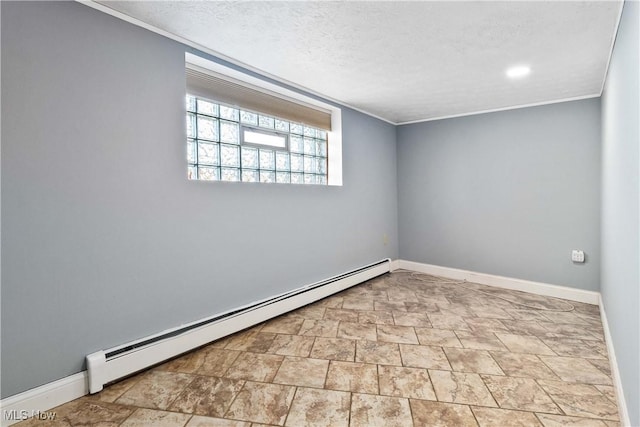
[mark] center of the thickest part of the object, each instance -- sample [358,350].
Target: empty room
[320,213]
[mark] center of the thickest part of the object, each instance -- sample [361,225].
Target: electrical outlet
[385,239]
[577,256]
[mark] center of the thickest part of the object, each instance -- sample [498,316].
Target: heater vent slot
[109,365]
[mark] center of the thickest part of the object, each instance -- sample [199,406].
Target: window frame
[262,131]
[334,136]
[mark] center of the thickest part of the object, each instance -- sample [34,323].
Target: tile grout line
[295,391]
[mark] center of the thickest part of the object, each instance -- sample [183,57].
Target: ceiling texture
[405,61]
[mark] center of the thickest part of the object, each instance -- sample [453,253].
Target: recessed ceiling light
[518,71]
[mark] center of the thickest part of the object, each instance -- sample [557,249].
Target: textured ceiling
[406,61]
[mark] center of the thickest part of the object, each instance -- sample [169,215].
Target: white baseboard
[572,294]
[615,373]
[56,393]
[37,400]
[40,399]
[546,289]
[112,364]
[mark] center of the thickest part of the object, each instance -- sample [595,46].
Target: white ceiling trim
[172,36]
[105,9]
[495,110]
[613,42]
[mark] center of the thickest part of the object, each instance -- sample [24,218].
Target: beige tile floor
[403,349]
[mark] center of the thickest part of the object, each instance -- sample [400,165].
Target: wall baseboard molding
[40,399]
[623,412]
[50,395]
[546,289]
[106,366]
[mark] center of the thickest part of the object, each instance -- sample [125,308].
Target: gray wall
[103,238]
[508,193]
[620,204]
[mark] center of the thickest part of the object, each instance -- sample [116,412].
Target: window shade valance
[225,90]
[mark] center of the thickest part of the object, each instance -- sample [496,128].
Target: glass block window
[230,144]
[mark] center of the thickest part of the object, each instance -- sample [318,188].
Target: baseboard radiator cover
[106,366]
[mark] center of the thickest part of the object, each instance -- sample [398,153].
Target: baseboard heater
[107,366]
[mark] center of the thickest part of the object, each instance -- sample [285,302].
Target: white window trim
[334,149]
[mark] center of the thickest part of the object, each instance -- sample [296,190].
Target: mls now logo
[18,415]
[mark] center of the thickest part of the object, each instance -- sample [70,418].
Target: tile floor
[404,349]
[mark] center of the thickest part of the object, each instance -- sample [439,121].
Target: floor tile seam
[184,388]
[497,406]
[526,352]
[489,390]
[224,414]
[496,362]
[161,410]
[135,409]
[426,370]
[286,333]
[413,420]
[574,416]
[550,395]
[244,382]
[524,411]
[599,356]
[576,382]
[523,376]
[448,361]
[295,392]
[474,414]
[128,388]
[350,408]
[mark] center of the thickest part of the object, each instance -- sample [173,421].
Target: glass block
[208,108]
[229,113]
[249,175]
[310,132]
[191,125]
[282,161]
[296,144]
[208,154]
[309,146]
[321,179]
[191,103]
[296,163]
[229,174]
[322,134]
[309,164]
[309,178]
[249,158]
[297,178]
[282,126]
[267,160]
[207,128]
[296,128]
[283,177]
[192,172]
[321,147]
[208,174]
[321,165]
[229,132]
[248,118]
[266,122]
[230,155]
[191,151]
[267,176]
